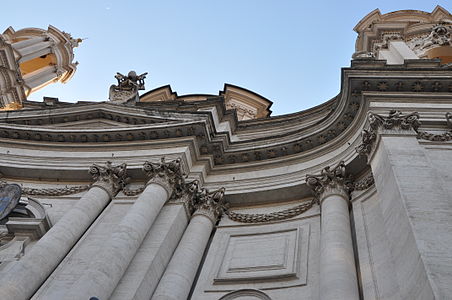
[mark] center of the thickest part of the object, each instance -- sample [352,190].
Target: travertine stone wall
[417,211]
[279,258]
[375,262]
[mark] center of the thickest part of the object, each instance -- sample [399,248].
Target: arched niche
[246,294]
[26,224]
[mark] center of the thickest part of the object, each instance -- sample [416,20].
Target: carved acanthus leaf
[111,178]
[395,120]
[210,204]
[330,179]
[168,174]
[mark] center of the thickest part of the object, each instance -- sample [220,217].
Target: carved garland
[364,183]
[274,216]
[55,191]
[443,137]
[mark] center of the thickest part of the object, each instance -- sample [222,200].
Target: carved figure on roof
[127,87]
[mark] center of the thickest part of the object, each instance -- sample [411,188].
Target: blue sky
[290,52]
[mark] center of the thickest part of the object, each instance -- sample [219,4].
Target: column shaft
[108,267]
[26,275]
[178,278]
[149,263]
[35,50]
[337,263]
[28,42]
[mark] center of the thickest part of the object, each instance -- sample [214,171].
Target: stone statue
[127,87]
[9,198]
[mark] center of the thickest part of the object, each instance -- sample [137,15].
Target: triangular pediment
[94,123]
[98,116]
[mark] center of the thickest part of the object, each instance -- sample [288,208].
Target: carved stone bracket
[330,181]
[167,174]
[210,204]
[110,178]
[377,123]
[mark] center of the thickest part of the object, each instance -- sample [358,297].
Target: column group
[26,275]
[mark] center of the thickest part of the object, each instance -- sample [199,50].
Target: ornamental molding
[210,204]
[169,175]
[330,181]
[108,177]
[394,122]
[273,216]
[144,122]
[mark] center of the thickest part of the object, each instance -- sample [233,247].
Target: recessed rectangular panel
[260,256]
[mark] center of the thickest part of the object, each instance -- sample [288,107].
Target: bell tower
[32,58]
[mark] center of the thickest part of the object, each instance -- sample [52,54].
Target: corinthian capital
[186,196]
[394,121]
[210,204]
[110,178]
[330,181]
[167,174]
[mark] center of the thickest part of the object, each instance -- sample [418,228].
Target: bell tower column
[35,58]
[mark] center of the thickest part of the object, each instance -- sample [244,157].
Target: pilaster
[414,205]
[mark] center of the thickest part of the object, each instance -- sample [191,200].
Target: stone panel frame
[289,271]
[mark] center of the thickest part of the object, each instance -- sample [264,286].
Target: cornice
[165,123]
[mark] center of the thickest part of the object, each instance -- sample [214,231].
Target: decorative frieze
[330,181]
[110,178]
